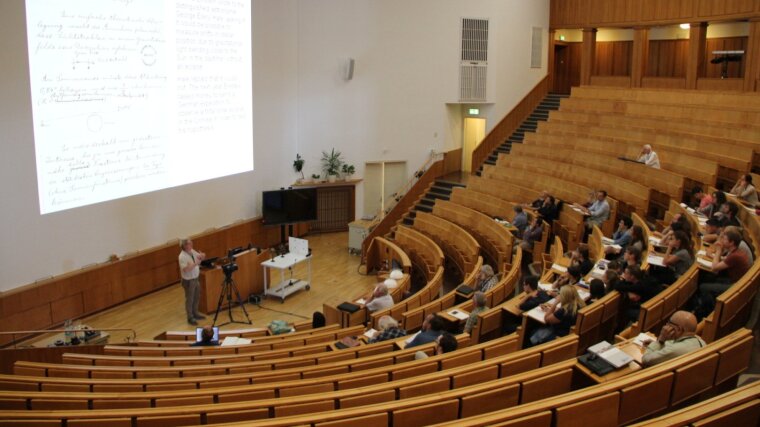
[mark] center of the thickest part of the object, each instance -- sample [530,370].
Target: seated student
[637,238]
[610,277]
[701,200]
[649,157]
[678,258]
[317,320]
[580,258]
[479,302]
[207,338]
[570,277]
[677,337]
[432,326]
[388,330]
[597,290]
[729,264]
[532,233]
[745,190]
[718,199]
[533,296]
[549,210]
[680,225]
[636,289]
[559,316]
[743,246]
[520,221]
[445,343]
[631,256]
[621,237]
[712,231]
[540,201]
[727,215]
[599,211]
[486,278]
[380,299]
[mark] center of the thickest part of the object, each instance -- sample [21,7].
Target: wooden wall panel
[91,289]
[720,84]
[667,58]
[66,308]
[735,69]
[629,13]
[613,58]
[664,82]
[726,7]
[612,81]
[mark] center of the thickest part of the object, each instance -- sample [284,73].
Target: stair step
[432,195]
[439,190]
[490,162]
[424,208]
[426,201]
[408,221]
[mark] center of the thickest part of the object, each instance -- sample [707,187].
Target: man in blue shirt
[432,327]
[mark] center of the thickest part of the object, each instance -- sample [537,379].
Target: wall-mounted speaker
[349,74]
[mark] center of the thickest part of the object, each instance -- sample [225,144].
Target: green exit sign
[474,111]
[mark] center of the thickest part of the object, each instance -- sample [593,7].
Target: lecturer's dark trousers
[192,289]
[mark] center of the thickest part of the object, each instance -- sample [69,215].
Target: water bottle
[69,332]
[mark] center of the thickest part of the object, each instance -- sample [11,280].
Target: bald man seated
[677,338]
[649,157]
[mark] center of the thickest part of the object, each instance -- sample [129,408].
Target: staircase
[439,190]
[541,113]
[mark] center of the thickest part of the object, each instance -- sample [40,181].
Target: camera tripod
[228,286]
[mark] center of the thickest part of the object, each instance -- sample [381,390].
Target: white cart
[299,253]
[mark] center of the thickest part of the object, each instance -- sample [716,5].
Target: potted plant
[348,170]
[315,177]
[298,166]
[331,163]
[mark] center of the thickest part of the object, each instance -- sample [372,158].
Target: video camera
[231,265]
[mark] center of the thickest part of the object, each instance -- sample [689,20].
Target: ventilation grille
[537,41]
[474,39]
[473,67]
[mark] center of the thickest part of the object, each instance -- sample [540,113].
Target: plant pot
[300,181]
[331,178]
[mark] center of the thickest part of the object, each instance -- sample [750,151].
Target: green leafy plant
[331,162]
[298,164]
[315,176]
[348,170]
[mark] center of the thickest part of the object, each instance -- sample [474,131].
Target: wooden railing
[509,123]
[450,162]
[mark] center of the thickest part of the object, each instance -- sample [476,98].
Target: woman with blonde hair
[559,316]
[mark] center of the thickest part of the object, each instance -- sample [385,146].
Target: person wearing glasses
[677,337]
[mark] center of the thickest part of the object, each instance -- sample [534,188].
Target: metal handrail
[131,338]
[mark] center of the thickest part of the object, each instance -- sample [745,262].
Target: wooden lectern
[248,280]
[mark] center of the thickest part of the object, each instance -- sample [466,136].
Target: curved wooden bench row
[493,237]
[186,358]
[564,190]
[456,242]
[728,155]
[420,247]
[691,101]
[457,374]
[189,336]
[636,196]
[482,202]
[656,311]
[170,367]
[490,321]
[382,251]
[431,291]
[733,306]
[635,396]
[661,180]
[600,113]
[698,169]
[412,318]
[738,407]
[263,342]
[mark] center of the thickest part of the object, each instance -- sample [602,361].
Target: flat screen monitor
[199,334]
[289,206]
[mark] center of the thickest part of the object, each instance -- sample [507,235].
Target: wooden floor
[335,279]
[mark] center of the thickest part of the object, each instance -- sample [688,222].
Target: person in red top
[729,264]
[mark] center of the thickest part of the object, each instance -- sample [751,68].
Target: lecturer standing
[189,260]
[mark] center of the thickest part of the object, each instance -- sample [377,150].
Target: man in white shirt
[649,157]
[380,299]
[189,261]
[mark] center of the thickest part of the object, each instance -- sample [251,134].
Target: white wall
[407,57]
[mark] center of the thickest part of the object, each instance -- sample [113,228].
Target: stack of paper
[361,301]
[616,357]
[599,347]
[545,286]
[641,339]
[235,341]
[705,263]
[653,259]
[559,268]
[370,333]
[459,314]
